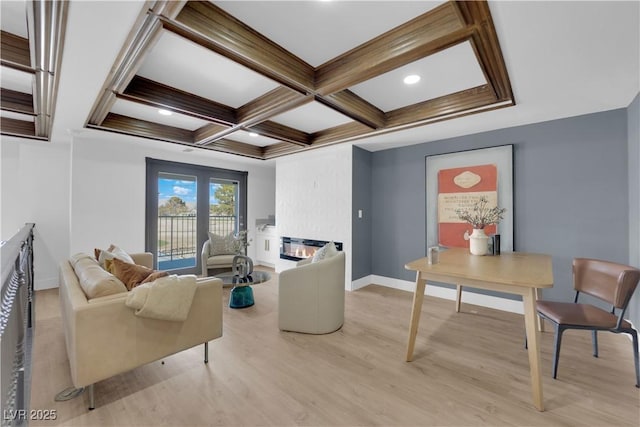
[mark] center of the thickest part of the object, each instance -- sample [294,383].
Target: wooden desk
[514,273]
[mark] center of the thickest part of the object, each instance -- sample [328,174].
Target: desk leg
[458,297]
[533,339]
[418,297]
[540,320]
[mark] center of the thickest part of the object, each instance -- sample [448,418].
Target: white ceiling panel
[446,72]
[17,116]
[244,136]
[311,117]
[16,80]
[150,114]
[317,31]
[13,17]
[178,62]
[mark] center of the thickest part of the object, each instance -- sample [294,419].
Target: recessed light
[253,134]
[411,79]
[165,112]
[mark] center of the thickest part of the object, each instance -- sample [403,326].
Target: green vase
[241,297]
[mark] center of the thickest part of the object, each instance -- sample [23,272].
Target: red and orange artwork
[460,188]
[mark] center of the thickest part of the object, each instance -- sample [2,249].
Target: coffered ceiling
[227,80]
[263,79]
[30,51]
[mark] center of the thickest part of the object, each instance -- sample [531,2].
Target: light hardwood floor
[470,368]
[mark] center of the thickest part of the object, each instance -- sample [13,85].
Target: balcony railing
[16,325]
[177,237]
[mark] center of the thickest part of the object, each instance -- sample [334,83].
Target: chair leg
[594,334]
[556,349]
[634,335]
[92,403]
[206,352]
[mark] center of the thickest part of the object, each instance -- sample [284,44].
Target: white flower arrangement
[481,215]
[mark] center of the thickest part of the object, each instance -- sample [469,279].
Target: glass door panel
[177,221]
[223,207]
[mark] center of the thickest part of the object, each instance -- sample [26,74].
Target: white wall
[35,188]
[313,198]
[108,189]
[91,192]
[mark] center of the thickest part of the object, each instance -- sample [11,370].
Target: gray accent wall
[570,194]
[361,229]
[633,134]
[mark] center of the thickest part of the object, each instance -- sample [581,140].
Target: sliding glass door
[185,202]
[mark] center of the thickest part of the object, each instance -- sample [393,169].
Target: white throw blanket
[166,298]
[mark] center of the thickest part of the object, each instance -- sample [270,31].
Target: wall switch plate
[359,213]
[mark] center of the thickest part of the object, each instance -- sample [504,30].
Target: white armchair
[311,296]
[213,261]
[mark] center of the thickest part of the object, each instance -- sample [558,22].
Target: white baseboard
[42,284]
[498,303]
[360,283]
[266,264]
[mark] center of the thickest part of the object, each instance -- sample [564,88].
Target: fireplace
[296,249]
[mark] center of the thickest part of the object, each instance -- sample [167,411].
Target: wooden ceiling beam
[17,102]
[236,147]
[143,128]
[270,104]
[340,133]
[168,8]
[445,105]
[159,95]
[487,47]
[351,105]
[429,33]
[14,52]
[144,35]
[15,127]
[46,44]
[260,109]
[277,150]
[207,131]
[213,28]
[282,133]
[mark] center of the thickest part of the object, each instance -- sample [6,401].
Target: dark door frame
[203,175]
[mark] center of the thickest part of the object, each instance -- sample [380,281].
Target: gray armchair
[311,296]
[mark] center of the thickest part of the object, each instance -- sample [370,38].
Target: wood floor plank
[469,368]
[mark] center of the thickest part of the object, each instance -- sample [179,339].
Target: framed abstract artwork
[457,181]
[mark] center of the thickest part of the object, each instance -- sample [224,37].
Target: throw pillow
[112,252]
[325,252]
[130,274]
[222,245]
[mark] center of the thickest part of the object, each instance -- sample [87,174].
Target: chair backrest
[605,280]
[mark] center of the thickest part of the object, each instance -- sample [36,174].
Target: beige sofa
[311,296]
[104,337]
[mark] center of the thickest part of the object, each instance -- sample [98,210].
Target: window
[183,203]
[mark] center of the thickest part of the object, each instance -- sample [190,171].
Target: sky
[183,188]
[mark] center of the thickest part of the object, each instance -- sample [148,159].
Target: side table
[241,296]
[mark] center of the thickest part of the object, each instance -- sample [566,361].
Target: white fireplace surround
[306,185]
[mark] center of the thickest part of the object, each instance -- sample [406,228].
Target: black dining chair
[607,281]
